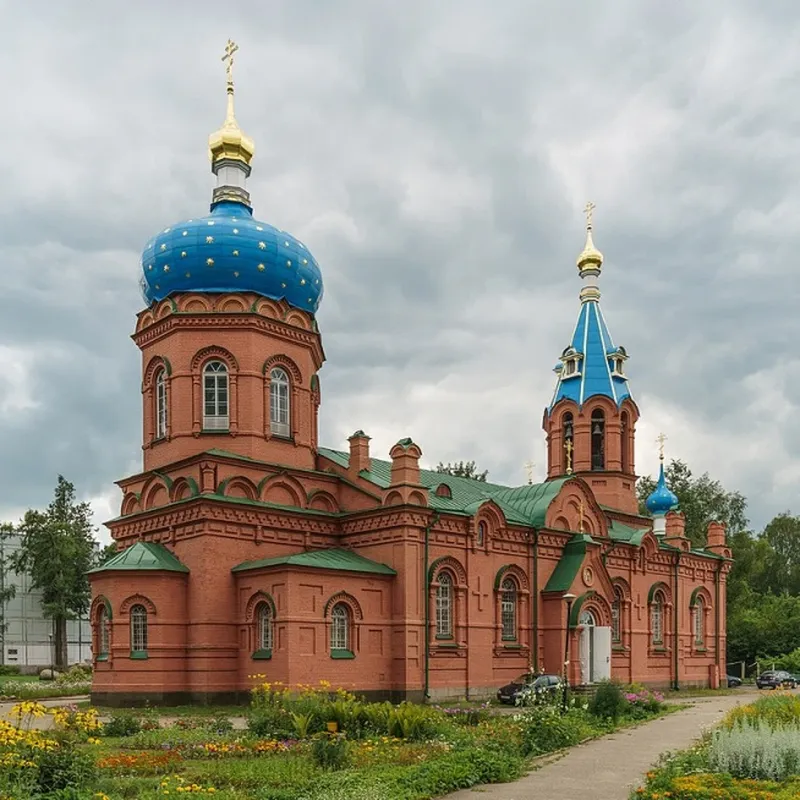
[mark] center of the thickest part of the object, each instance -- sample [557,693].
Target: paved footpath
[609,768]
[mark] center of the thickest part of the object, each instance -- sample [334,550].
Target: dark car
[539,684]
[775,679]
[733,681]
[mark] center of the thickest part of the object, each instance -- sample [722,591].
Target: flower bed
[754,754]
[309,743]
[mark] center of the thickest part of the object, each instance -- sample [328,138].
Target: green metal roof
[569,564]
[335,558]
[143,556]
[524,505]
[620,532]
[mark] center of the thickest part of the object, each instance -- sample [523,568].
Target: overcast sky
[435,157]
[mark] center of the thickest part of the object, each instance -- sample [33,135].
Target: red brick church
[245,546]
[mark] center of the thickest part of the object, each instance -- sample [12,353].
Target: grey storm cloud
[435,158]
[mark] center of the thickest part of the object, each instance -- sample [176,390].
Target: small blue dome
[662,499]
[229,251]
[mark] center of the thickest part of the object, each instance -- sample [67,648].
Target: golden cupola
[229,148]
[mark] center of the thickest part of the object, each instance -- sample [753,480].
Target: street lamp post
[52,667]
[570,599]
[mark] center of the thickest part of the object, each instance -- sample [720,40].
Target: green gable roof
[335,558]
[524,505]
[569,564]
[620,532]
[143,556]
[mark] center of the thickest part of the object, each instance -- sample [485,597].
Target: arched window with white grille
[699,622]
[340,629]
[444,606]
[161,405]
[508,609]
[216,415]
[264,623]
[657,619]
[279,403]
[138,630]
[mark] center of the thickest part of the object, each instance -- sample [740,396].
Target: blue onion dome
[662,498]
[228,250]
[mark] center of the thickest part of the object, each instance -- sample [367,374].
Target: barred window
[616,616]
[138,629]
[340,627]
[161,405]
[444,606]
[699,612]
[103,631]
[508,608]
[279,402]
[657,619]
[215,396]
[264,618]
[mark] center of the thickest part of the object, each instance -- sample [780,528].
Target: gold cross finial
[568,450]
[588,209]
[661,438]
[529,465]
[230,48]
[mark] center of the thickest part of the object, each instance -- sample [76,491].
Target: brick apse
[246,547]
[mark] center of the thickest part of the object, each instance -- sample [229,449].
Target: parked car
[775,679]
[541,685]
[733,681]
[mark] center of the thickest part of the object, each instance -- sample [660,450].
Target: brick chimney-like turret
[359,453]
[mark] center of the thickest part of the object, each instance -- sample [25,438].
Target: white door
[586,626]
[601,654]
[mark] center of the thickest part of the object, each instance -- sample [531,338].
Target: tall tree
[463,469]
[57,549]
[702,500]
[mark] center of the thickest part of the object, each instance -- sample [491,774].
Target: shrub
[271,721]
[777,711]
[80,673]
[412,722]
[65,767]
[756,751]
[8,669]
[544,730]
[124,723]
[219,724]
[608,702]
[329,751]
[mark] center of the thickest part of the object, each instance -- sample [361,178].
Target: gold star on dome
[235,274]
[301,245]
[157,286]
[286,244]
[188,274]
[166,230]
[149,266]
[210,262]
[236,230]
[163,247]
[261,267]
[259,228]
[305,261]
[183,254]
[185,233]
[288,263]
[166,267]
[283,286]
[302,281]
[317,280]
[211,222]
[262,246]
[236,252]
[209,240]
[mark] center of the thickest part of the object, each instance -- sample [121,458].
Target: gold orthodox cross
[588,209]
[230,48]
[661,438]
[529,465]
[568,450]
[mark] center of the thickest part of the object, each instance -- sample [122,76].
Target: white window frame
[616,617]
[161,404]
[216,396]
[340,628]
[657,620]
[508,609]
[103,633]
[699,622]
[280,404]
[444,606]
[138,629]
[265,627]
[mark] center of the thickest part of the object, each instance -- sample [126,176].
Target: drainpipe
[717,619]
[535,602]
[676,622]
[426,582]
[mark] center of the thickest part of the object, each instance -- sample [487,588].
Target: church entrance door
[595,649]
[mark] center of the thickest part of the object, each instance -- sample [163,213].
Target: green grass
[19,678]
